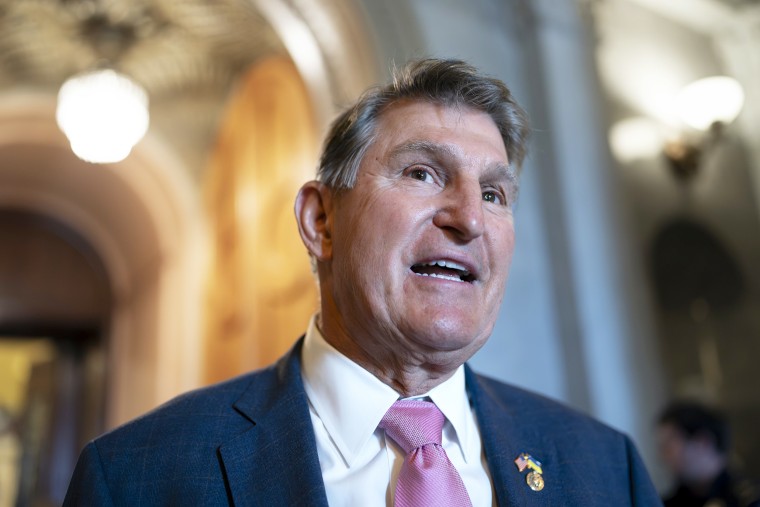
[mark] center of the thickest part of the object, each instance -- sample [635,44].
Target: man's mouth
[446,270]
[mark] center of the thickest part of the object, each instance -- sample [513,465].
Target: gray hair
[452,83]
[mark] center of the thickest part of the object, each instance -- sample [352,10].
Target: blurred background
[170,260]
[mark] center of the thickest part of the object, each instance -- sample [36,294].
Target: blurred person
[410,229]
[694,444]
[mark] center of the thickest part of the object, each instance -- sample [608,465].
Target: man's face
[421,246]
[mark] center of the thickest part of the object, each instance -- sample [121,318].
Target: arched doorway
[56,302]
[143,220]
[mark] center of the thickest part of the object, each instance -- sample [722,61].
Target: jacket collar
[260,467]
[507,432]
[275,461]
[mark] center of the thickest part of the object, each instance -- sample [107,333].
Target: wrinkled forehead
[436,129]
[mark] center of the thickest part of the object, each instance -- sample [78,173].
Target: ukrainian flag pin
[534,478]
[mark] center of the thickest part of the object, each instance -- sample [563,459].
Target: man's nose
[461,211]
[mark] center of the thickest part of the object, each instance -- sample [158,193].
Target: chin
[450,335]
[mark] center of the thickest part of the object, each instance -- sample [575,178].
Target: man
[694,443]
[411,231]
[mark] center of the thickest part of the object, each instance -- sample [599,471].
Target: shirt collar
[451,398]
[351,402]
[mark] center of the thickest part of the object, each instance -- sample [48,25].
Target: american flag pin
[525,460]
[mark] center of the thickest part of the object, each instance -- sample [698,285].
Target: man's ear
[313,207]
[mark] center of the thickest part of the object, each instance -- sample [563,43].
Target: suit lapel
[507,432]
[275,461]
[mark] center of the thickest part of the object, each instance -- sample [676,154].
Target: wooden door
[261,292]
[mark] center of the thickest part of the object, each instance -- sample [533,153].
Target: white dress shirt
[359,463]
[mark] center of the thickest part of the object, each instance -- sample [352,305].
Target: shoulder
[588,462]
[199,417]
[571,437]
[152,456]
[541,412]
[174,451]
[213,413]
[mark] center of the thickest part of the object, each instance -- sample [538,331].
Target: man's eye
[420,174]
[494,197]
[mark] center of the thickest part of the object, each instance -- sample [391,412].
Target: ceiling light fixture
[104,114]
[709,100]
[704,108]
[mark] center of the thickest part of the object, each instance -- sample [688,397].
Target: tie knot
[413,423]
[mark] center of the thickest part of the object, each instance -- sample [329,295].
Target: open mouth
[446,270]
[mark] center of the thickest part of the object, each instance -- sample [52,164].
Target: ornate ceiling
[186,53]
[165,45]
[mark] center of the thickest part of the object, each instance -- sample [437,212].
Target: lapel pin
[534,478]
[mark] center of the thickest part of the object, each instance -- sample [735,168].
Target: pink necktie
[427,477]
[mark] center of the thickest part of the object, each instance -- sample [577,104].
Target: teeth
[445,277]
[447,264]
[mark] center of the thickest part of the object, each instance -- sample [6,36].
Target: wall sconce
[103,114]
[703,107]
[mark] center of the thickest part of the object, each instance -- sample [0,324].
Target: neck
[408,381]
[408,374]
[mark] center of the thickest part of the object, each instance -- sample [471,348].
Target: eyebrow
[446,151]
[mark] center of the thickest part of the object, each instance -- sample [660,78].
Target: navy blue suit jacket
[249,441]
